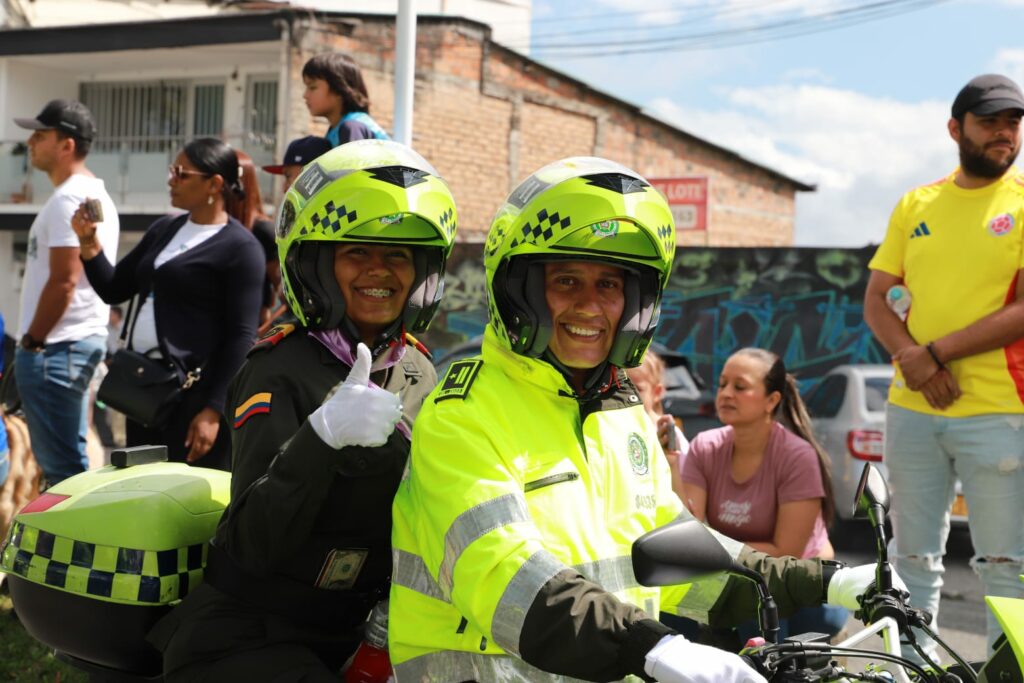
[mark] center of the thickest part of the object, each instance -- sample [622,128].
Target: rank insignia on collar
[273,337]
[458,379]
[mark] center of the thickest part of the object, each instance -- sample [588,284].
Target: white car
[847,410]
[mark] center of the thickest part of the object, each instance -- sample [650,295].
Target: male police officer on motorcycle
[534,467]
[303,551]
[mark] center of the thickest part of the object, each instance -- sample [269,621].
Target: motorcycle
[684,551]
[96,560]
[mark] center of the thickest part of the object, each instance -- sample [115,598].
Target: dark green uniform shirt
[297,511]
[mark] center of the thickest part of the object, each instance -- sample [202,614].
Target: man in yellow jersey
[956,405]
[534,467]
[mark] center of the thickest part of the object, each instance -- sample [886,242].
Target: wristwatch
[31,344]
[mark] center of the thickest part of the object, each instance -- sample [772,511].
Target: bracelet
[935,357]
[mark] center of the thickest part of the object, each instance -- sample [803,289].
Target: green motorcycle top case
[96,560]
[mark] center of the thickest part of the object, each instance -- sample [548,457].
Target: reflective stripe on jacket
[510,485]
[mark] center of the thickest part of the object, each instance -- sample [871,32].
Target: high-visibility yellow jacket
[514,526]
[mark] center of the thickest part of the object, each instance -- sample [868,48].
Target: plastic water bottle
[898,300]
[371,663]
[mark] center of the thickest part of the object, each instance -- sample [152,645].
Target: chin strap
[392,334]
[597,382]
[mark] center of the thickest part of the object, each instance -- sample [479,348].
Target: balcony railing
[134,170]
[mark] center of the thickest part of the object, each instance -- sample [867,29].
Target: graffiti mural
[804,304]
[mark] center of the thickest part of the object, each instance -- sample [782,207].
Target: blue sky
[860,110]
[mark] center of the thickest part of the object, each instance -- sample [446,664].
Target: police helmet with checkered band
[581,208]
[374,191]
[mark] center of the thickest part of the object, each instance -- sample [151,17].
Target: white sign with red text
[688,199]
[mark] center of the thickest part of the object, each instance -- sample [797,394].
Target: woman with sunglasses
[196,283]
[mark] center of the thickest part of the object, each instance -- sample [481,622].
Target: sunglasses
[179,172]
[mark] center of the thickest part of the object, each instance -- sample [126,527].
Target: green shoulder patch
[458,379]
[272,337]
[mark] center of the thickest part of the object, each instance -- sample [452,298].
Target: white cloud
[1009,61]
[862,152]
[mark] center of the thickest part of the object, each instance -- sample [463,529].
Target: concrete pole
[405,70]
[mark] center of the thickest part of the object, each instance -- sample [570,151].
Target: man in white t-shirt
[63,323]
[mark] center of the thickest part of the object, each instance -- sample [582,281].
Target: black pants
[173,434]
[213,637]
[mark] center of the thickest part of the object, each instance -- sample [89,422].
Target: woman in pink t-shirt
[759,482]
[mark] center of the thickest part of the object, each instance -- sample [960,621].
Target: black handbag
[146,389]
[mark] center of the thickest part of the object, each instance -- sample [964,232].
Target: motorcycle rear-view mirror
[678,553]
[686,551]
[872,492]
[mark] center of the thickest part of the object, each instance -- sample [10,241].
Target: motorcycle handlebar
[790,662]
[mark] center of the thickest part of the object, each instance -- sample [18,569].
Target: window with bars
[261,126]
[141,116]
[151,116]
[142,124]
[261,118]
[208,112]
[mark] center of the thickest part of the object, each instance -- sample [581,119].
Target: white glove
[676,660]
[849,583]
[357,414]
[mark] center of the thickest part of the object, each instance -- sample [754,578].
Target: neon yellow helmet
[364,191]
[581,208]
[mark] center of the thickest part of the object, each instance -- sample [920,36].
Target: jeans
[54,388]
[925,454]
[5,464]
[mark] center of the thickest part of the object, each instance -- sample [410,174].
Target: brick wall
[486,117]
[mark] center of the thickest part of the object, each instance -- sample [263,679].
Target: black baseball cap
[70,116]
[987,94]
[300,152]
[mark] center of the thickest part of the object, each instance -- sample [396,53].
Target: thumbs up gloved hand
[677,660]
[357,414]
[849,583]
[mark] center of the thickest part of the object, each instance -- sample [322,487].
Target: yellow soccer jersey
[958,252]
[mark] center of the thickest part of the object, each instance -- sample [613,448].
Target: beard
[974,162]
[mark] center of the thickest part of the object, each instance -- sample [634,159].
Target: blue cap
[300,152]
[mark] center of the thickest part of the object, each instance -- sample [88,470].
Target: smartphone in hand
[94,210]
[672,444]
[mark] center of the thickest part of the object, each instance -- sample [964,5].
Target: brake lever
[893,603]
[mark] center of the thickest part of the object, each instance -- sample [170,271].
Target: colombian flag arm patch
[256,404]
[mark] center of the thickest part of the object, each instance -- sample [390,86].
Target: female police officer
[302,552]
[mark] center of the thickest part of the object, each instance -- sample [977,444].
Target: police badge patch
[637,452]
[605,229]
